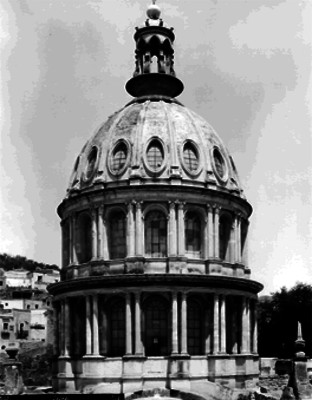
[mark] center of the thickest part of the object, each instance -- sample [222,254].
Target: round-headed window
[219,163]
[155,155]
[190,157]
[90,168]
[119,158]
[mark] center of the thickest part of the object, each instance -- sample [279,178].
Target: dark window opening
[156,234]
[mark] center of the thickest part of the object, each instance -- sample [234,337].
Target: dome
[155,142]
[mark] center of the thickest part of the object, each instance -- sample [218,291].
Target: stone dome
[155,142]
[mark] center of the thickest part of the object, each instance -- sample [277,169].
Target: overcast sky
[246,68]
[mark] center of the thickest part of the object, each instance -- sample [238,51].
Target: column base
[93,356]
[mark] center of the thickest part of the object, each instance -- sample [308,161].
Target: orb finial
[153,11]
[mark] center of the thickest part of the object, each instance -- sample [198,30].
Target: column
[71,242]
[255,330]
[174,324]
[223,325]
[216,232]
[216,346]
[181,230]
[94,234]
[245,326]
[172,230]
[245,249]
[238,240]
[183,323]
[138,339]
[138,230]
[232,244]
[67,327]
[100,225]
[95,325]
[210,233]
[64,244]
[206,236]
[103,329]
[128,325]
[74,239]
[88,326]
[56,313]
[207,330]
[105,240]
[130,231]
[62,329]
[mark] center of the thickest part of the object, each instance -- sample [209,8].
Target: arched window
[224,237]
[117,235]
[156,338]
[194,328]
[66,243]
[84,238]
[117,328]
[155,154]
[156,234]
[193,234]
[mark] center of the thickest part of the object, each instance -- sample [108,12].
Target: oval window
[91,163]
[155,155]
[119,158]
[219,163]
[190,157]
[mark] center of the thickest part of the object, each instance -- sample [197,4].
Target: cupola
[154,59]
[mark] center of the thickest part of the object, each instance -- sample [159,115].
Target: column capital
[172,205]
[101,208]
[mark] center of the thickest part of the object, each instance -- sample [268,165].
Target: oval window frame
[197,171]
[86,177]
[161,168]
[119,142]
[223,179]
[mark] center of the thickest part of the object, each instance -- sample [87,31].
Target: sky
[246,67]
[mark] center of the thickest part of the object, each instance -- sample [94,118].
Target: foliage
[8,262]
[37,369]
[278,318]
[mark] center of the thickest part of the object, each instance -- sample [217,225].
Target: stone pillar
[138,339]
[128,325]
[138,230]
[238,240]
[95,325]
[74,239]
[67,327]
[105,238]
[88,326]
[223,325]
[174,324]
[104,330]
[216,232]
[62,328]
[255,330]
[245,326]
[210,232]
[56,313]
[181,230]
[232,244]
[71,241]
[183,323]
[94,233]
[100,250]
[130,231]
[216,319]
[245,249]
[172,230]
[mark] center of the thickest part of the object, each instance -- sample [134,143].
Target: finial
[153,11]
[300,343]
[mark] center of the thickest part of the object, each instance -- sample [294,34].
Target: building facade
[155,289]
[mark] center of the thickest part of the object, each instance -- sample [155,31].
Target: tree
[278,318]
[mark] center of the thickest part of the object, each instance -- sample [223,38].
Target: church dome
[155,142]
